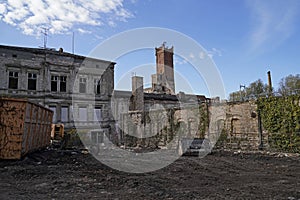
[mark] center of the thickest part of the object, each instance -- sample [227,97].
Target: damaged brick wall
[237,126]
[159,127]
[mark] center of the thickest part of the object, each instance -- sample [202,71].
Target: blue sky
[244,38]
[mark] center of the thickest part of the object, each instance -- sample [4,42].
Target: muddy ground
[51,174]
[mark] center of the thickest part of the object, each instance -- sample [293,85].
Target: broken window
[82,85]
[54,82]
[63,84]
[82,114]
[13,80]
[32,81]
[64,114]
[97,86]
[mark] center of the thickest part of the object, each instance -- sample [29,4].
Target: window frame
[63,79]
[54,78]
[82,85]
[97,118]
[14,77]
[97,86]
[32,77]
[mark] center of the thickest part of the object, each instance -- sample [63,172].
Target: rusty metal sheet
[24,127]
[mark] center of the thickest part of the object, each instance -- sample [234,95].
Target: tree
[253,91]
[289,85]
[236,96]
[257,89]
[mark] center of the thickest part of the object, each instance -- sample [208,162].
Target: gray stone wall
[231,125]
[236,125]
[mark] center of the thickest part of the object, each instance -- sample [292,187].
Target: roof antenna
[45,33]
[73,41]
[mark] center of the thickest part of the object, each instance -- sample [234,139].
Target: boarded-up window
[82,114]
[82,85]
[13,80]
[64,114]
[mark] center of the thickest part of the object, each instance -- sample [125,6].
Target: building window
[97,86]
[82,85]
[54,82]
[32,81]
[58,83]
[64,114]
[53,108]
[13,80]
[97,137]
[82,114]
[97,114]
[63,84]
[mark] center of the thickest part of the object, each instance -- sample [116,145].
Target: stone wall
[159,127]
[237,126]
[230,125]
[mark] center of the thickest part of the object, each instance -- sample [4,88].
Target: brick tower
[163,80]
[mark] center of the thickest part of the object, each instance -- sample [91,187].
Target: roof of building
[121,93]
[51,51]
[159,96]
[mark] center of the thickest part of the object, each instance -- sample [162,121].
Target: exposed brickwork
[163,81]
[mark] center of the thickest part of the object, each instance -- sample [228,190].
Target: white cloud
[192,56]
[201,55]
[80,30]
[111,23]
[179,61]
[61,15]
[98,37]
[2,8]
[214,52]
[273,22]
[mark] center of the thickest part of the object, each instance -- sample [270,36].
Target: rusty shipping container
[24,127]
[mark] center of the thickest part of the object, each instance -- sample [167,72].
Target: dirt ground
[51,174]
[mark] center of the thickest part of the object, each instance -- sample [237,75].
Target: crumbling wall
[159,127]
[237,126]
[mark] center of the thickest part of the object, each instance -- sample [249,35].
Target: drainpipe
[260,146]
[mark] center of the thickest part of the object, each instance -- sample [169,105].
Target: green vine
[281,118]
[204,122]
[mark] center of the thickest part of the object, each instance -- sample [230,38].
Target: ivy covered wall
[281,119]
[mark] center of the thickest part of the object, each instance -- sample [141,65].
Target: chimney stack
[270,83]
[137,93]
